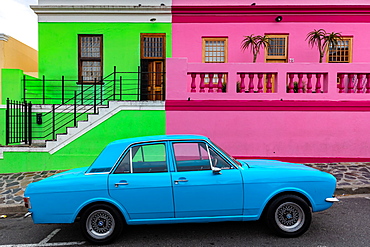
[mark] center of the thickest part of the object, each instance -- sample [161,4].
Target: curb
[10,209]
[352,190]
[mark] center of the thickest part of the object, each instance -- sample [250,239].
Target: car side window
[218,161]
[144,159]
[197,156]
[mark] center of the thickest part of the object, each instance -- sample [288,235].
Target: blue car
[179,179]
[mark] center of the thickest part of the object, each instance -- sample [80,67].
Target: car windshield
[228,155]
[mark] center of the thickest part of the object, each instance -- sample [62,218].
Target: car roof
[158,138]
[111,153]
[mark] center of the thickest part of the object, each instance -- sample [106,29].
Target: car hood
[268,164]
[66,175]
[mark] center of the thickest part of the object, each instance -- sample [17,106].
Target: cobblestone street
[12,185]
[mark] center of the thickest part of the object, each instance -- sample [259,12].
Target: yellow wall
[16,55]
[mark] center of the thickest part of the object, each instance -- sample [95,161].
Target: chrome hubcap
[289,217]
[100,224]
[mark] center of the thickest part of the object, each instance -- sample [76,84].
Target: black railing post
[17,122]
[138,82]
[120,88]
[95,96]
[25,121]
[63,90]
[24,87]
[82,92]
[7,122]
[101,95]
[75,110]
[53,120]
[30,123]
[114,82]
[43,90]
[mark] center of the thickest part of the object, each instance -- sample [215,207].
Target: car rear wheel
[289,216]
[101,224]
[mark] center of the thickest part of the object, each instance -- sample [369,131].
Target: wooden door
[156,80]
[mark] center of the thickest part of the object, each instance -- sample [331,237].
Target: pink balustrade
[256,82]
[266,81]
[208,82]
[306,83]
[354,83]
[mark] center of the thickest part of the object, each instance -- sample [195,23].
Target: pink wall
[305,127]
[304,136]
[315,127]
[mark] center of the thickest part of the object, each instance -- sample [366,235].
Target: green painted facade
[58,46]
[58,56]
[82,151]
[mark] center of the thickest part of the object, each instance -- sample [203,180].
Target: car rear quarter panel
[261,185]
[56,200]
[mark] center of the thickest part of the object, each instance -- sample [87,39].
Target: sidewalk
[352,178]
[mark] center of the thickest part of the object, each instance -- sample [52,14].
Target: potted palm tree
[254,43]
[322,40]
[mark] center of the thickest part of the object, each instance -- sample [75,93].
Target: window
[144,159]
[197,157]
[277,49]
[90,58]
[153,45]
[214,50]
[341,52]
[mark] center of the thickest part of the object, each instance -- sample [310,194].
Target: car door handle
[180,180]
[124,182]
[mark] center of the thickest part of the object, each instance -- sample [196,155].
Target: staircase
[93,120]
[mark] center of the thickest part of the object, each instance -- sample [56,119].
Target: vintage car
[179,179]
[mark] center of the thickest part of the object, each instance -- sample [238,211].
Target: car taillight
[27,202]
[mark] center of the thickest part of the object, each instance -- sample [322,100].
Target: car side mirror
[216,170]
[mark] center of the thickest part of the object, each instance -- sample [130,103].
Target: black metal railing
[18,125]
[71,101]
[137,85]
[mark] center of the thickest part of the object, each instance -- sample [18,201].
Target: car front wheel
[101,224]
[289,216]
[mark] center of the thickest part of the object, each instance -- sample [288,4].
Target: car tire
[289,216]
[101,224]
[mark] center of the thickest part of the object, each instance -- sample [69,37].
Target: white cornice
[98,9]
[4,37]
[102,13]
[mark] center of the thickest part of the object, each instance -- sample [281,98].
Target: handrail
[70,103]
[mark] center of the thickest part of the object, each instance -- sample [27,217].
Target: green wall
[82,151]
[58,46]
[11,84]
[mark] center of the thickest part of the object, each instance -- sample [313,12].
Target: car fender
[288,190]
[104,201]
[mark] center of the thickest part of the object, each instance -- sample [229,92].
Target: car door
[204,183]
[141,183]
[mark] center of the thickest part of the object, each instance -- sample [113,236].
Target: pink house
[287,105]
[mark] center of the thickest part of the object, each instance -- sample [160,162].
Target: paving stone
[18,199]
[12,184]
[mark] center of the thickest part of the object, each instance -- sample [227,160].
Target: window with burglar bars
[90,58]
[341,52]
[153,46]
[277,49]
[214,50]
